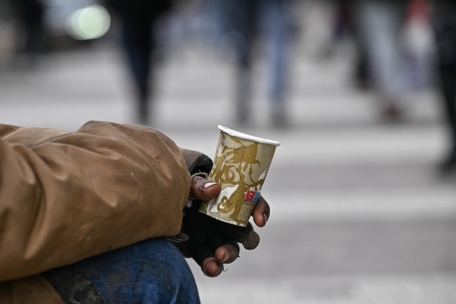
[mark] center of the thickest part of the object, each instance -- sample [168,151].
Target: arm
[83,193]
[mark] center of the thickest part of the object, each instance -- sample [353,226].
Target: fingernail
[265,217]
[208,185]
[219,271]
[209,190]
[226,257]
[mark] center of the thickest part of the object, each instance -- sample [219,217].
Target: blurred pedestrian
[138,38]
[246,21]
[343,24]
[379,23]
[444,24]
[30,14]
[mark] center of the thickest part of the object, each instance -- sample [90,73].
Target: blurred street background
[362,190]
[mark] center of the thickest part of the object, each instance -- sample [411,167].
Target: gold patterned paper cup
[241,164]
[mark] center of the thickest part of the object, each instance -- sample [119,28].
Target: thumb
[202,188]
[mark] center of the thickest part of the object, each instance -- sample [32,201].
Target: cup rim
[248,137]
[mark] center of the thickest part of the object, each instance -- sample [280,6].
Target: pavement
[358,212]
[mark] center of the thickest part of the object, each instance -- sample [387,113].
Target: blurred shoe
[448,166]
[242,118]
[361,78]
[243,115]
[280,118]
[143,117]
[392,114]
[243,99]
[143,110]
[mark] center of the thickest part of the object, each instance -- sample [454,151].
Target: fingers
[244,235]
[250,240]
[203,189]
[226,254]
[213,243]
[226,250]
[261,212]
[220,251]
[213,266]
[204,256]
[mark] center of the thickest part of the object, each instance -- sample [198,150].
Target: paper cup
[241,164]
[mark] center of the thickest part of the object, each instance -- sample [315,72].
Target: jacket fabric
[66,196]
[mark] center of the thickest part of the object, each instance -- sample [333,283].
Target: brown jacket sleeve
[65,196]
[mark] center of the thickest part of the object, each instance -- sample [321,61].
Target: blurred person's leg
[344,24]
[241,22]
[277,25]
[339,25]
[444,23]
[153,271]
[34,25]
[138,44]
[361,74]
[379,23]
[340,20]
[448,88]
[138,19]
[30,15]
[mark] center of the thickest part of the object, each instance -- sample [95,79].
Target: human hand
[213,243]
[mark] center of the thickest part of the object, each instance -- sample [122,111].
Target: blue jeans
[379,24]
[246,20]
[152,271]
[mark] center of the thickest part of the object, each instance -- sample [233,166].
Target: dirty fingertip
[211,267]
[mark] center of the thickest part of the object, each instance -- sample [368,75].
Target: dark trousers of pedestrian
[246,21]
[138,44]
[444,24]
[137,29]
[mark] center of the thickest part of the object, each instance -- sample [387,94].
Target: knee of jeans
[153,271]
[168,278]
